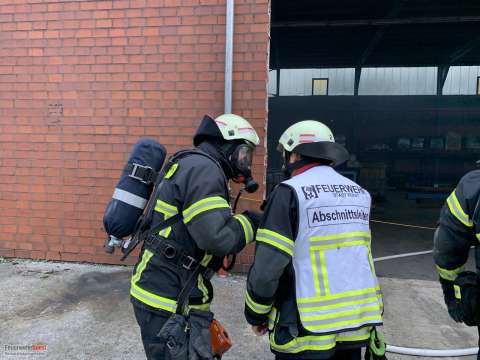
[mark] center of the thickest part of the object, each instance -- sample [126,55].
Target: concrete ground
[83,312]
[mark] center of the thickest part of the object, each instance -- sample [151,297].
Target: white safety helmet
[228,127]
[235,129]
[312,139]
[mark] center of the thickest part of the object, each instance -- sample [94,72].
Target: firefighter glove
[453,305]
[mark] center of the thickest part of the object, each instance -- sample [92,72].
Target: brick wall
[81,81]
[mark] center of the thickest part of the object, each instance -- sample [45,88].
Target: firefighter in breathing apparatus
[195,185]
[458,230]
[312,285]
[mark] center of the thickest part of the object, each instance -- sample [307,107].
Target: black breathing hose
[234,257]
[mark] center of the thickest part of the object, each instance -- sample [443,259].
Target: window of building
[320,86]
[478,85]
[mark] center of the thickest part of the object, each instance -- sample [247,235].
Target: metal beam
[358,74]
[397,6]
[277,93]
[378,22]
[442,73]
[464,50]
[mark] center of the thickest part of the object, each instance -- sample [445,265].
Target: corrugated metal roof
[370,33]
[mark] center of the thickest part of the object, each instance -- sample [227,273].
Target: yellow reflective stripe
[171,171]
[206,259]
[338,296]
[304,343]
[204,307]
[256,307]
[272,318]
[319,342]
[342,236]
[203,288]
[324,273]
[359,335]
[246,226]
[315,273]
[147,255]
[449,274]
[339,245]
[165,208]
[332,306]
[168,211]
[338,314]
[350,323]
[458,292]
[457,211]
[478,236]
[210,203]
[156,301]
[153,300]
[276,240]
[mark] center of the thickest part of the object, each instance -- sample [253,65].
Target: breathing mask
[241,162]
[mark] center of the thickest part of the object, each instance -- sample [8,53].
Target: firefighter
[458,231]
[312,285]
[196,185]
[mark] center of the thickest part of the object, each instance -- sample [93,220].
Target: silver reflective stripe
[312,343]
[256,307]
[339,241]
[352,319]
[247,228]
[214,202]
[299,344]
[314,312]
[305,305]
[457,211]
[320,279]
[277,240]
[129,198]
[167,211]
[354,335]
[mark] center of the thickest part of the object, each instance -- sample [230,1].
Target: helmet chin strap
[288,169]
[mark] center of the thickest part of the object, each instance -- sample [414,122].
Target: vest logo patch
[340,190]
[338,215]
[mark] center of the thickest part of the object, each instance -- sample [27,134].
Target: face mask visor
[242,159]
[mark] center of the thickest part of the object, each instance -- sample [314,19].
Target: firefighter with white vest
[195,186]
[312,285]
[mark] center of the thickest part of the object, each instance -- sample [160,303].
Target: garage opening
[397,82]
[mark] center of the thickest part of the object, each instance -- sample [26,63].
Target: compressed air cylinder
[134,188]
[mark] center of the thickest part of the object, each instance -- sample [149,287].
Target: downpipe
[228,56]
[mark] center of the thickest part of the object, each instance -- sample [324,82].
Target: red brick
[6,252]
[119,72]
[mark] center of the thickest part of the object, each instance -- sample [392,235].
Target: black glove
[469,285]
[254,218]
[453,305]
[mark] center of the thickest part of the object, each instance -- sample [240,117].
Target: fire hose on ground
[419,351]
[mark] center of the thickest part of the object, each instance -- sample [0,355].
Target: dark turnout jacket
[459,227]
[197,188]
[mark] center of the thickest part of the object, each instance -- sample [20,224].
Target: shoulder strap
[184,294]
[182,153]
[141,232]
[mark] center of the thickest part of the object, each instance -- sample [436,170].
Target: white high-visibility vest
[336,286]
